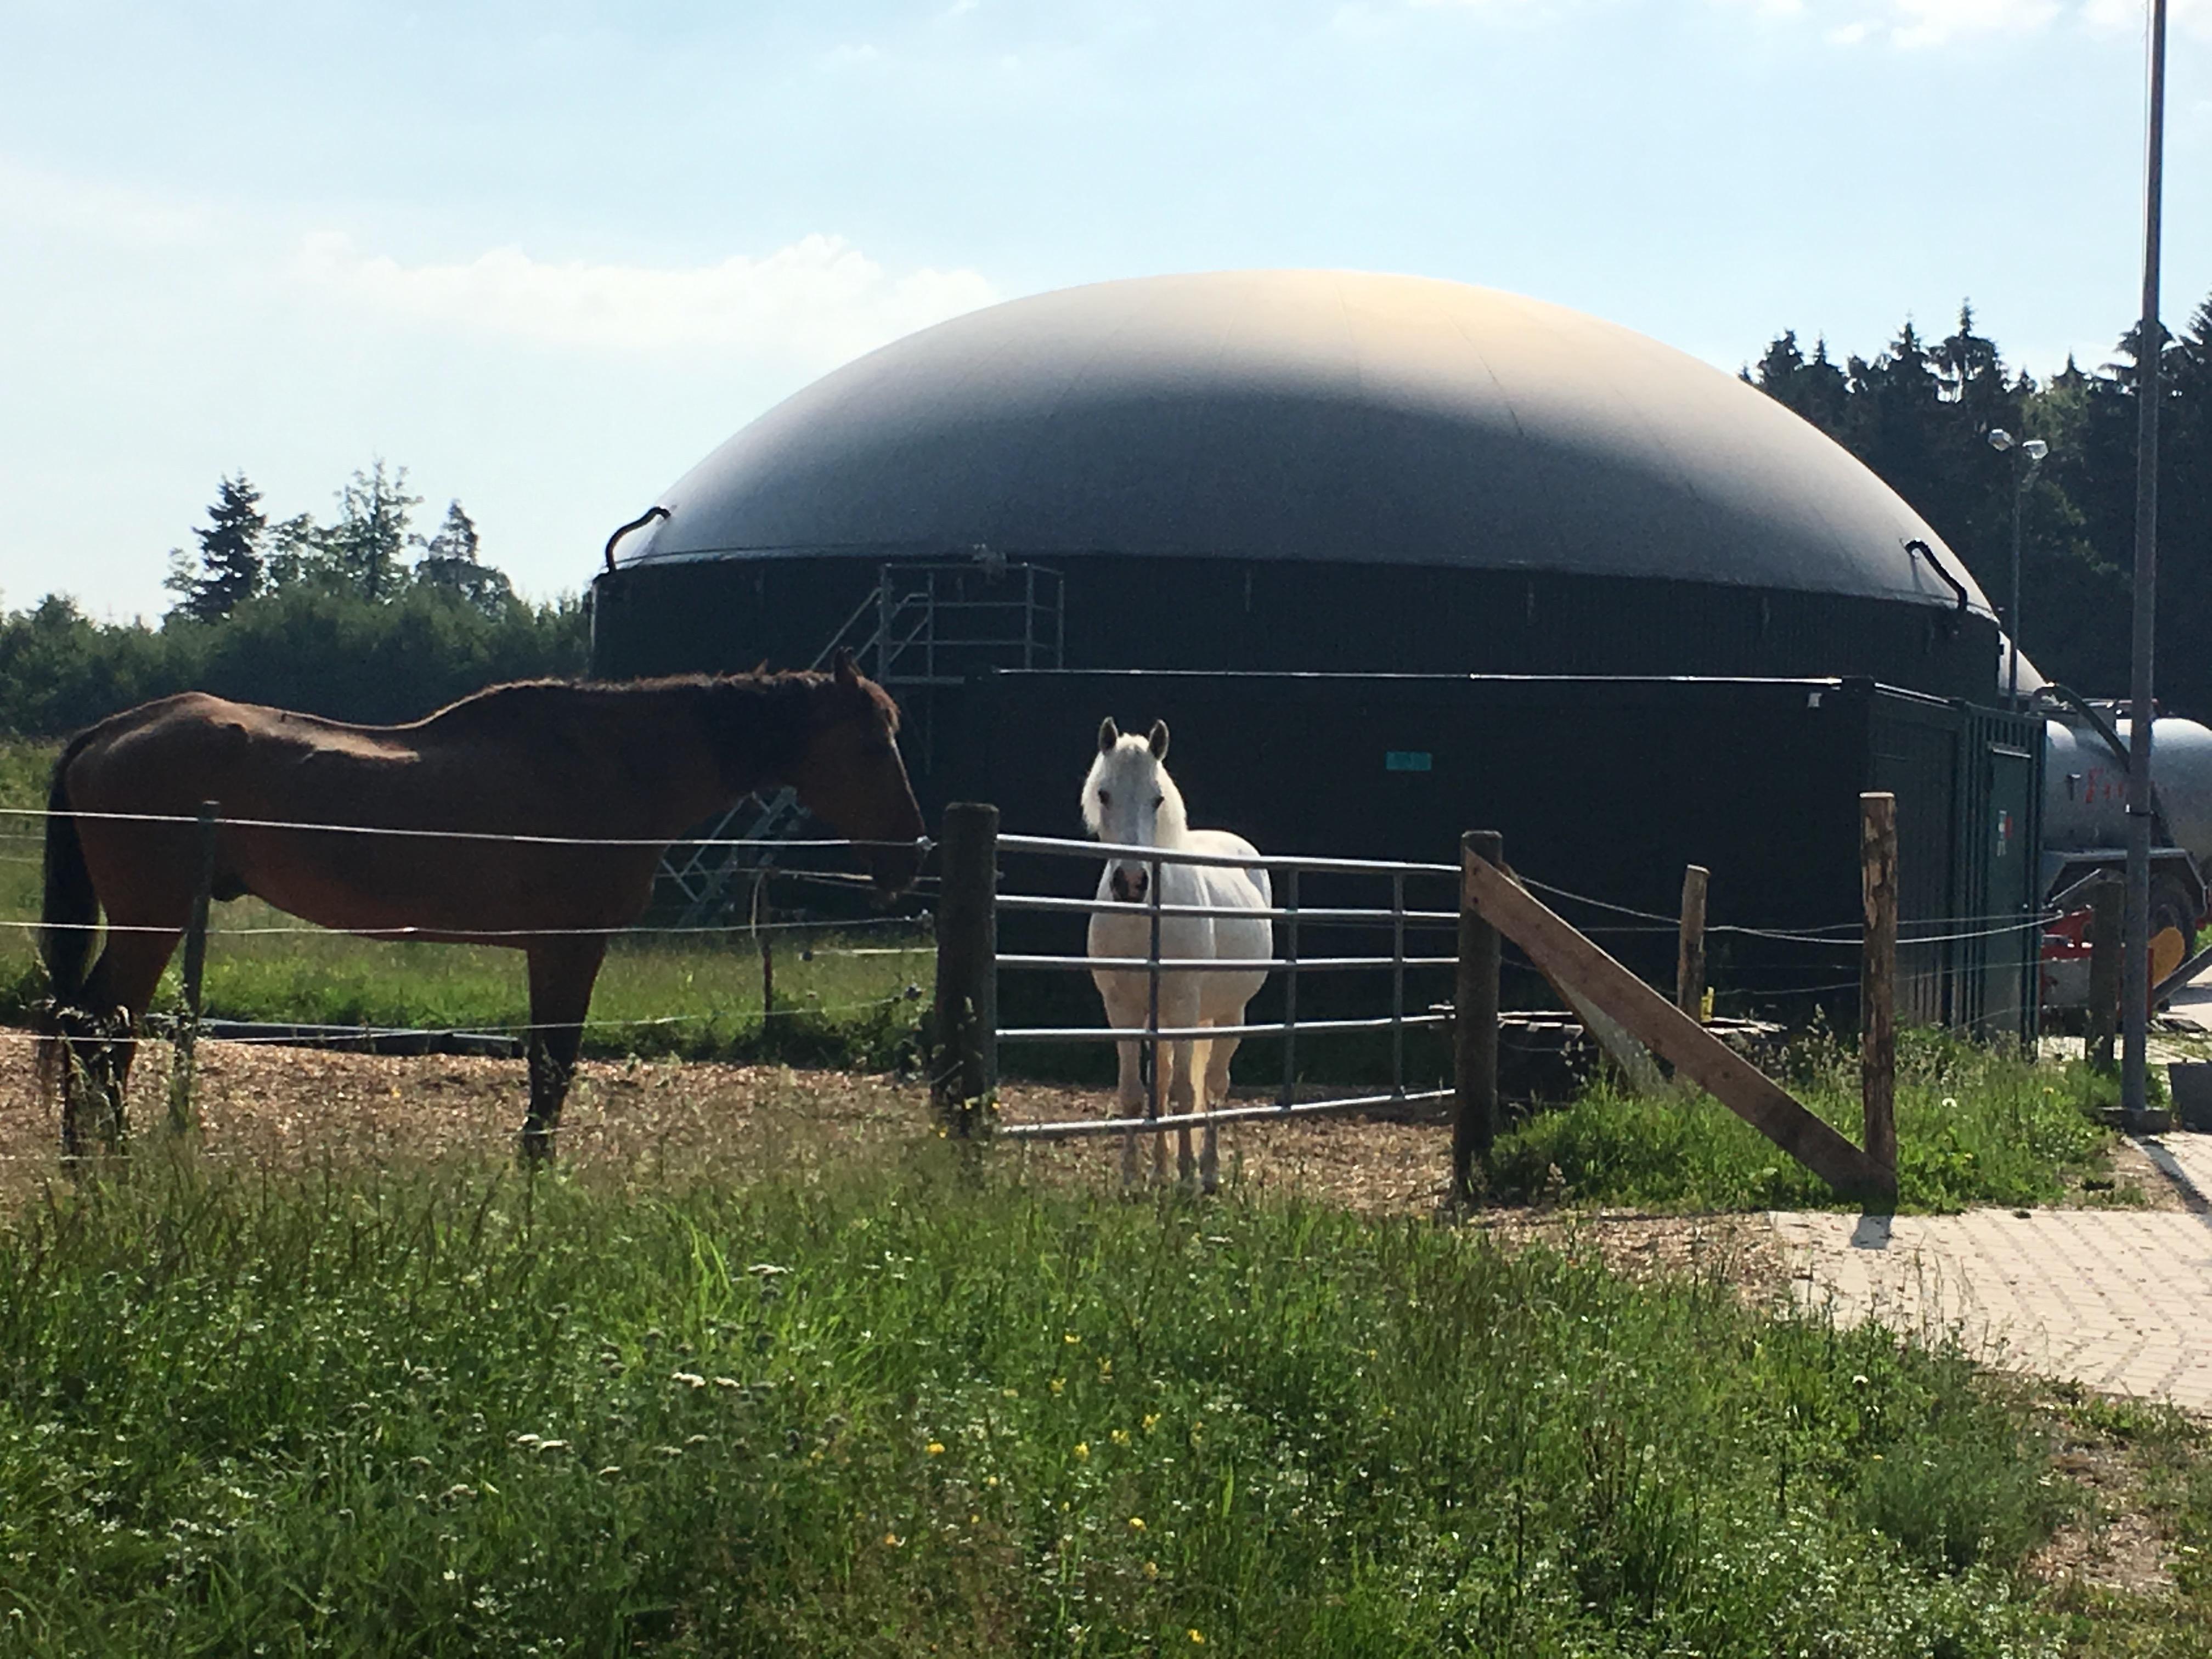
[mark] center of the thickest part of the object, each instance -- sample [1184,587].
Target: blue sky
[546,256]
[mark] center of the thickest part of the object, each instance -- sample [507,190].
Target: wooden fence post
[1474,1019]
[1690,960]
[766,940]
[2105,898]
[964,1069]
[188,1033]
[1878,980]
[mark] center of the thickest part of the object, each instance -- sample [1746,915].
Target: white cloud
[818,300]
[34,196]
[2191,17]
[1937,23]
[1543,11]
[1913,25]
[864,55]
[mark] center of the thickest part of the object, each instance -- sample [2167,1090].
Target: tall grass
[446,1412]
[1975,1125]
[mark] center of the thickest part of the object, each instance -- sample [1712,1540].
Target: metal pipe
[1222,965]
[2012,623]
[1152,995]
[885,620]
[1398,985]
[1290,990]
[2135,991]
[1074,1127]
[638,522]
[1112,907]
[1059,847]
[1171,1033]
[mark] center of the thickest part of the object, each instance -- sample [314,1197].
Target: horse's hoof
[536,1151]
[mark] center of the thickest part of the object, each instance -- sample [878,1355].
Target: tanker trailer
[2085,833]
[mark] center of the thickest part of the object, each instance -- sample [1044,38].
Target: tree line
[357,618]
[1921,415]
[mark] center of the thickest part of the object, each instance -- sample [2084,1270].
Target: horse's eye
[1159,800]
[1105,799]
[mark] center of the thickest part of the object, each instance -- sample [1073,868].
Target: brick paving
[2118,1300]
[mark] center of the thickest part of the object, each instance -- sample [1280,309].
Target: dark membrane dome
[1303,416]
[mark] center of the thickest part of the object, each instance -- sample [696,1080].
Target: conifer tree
[231,566]
[450,563]
[370,537]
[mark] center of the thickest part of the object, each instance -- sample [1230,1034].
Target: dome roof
[1298,415]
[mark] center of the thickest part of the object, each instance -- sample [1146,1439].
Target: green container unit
[1603,787]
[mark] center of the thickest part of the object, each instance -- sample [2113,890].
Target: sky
[546,256]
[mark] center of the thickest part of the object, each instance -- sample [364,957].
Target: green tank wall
[1238,615]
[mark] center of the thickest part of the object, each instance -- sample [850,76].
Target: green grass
[442,1410]
[1974,1126]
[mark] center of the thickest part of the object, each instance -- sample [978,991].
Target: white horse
[1128,799]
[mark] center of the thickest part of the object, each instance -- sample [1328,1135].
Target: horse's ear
[761,667]
[847,671]
[1108,735]
[1159,739]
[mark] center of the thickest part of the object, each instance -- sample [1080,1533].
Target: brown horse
[638,763]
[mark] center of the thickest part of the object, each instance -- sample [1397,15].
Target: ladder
[919,627]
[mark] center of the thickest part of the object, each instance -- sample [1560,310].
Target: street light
[2031,454]
[2134,930]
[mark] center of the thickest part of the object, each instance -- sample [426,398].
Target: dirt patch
[275,1106]
[2135,1183]
[2114,1544]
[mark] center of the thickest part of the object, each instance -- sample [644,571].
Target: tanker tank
[2085,833]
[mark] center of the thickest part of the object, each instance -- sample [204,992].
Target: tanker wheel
[2172,926]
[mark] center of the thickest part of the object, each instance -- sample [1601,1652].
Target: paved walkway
[2119,1300]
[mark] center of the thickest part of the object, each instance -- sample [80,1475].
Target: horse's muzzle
[1129,882]
[893,868]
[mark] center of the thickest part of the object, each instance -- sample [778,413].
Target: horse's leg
[561,972]
[97,1061]
[1183,1098]
[1218,1052]
[1129,1101]
[1124,1013]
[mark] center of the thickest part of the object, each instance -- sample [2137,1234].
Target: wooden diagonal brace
[1573,962]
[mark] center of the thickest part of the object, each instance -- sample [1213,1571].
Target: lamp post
[2031,456]
[2135,993]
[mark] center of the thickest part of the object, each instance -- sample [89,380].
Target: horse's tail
[72,905]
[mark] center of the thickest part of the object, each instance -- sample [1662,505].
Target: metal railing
[1287,920]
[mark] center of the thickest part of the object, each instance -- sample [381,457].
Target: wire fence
[814,937]
[1286,916]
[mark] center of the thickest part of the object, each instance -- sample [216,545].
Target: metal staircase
[921,626]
